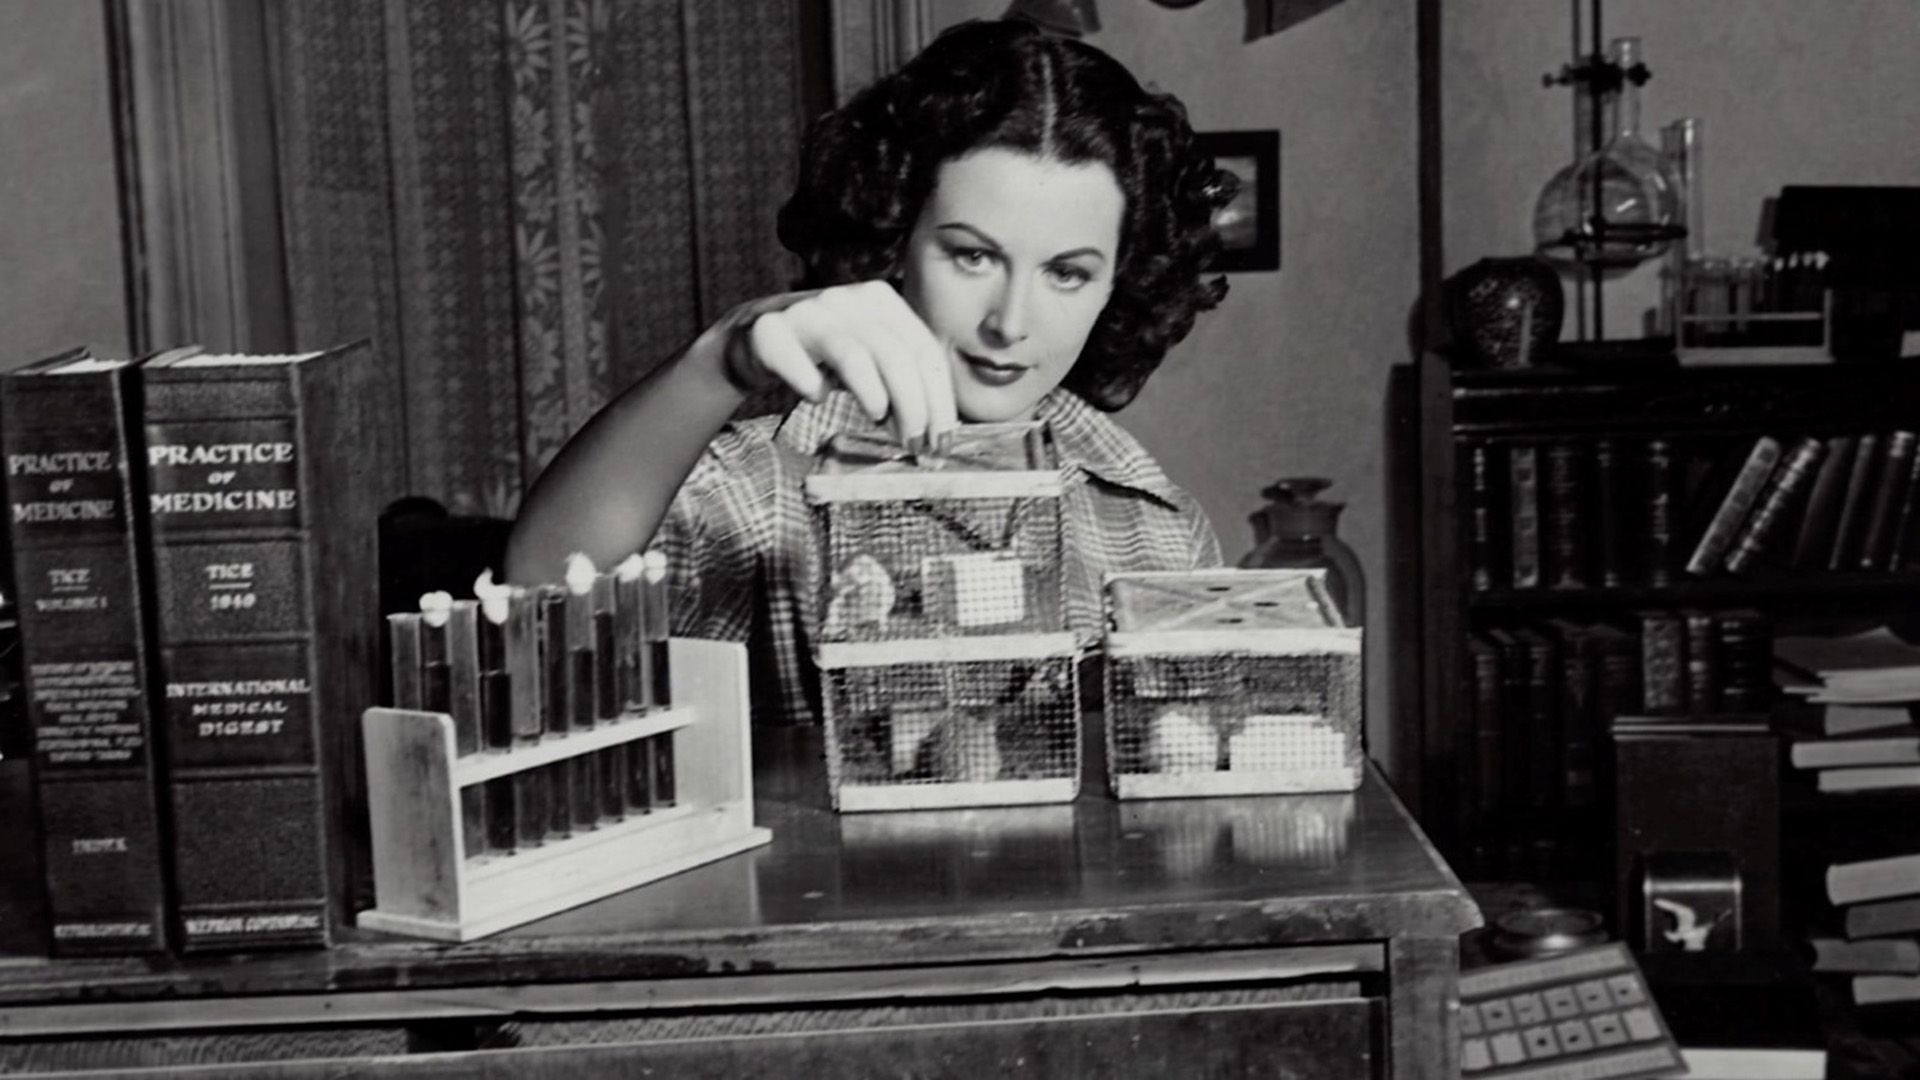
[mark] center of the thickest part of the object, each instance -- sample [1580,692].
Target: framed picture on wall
[1250,224]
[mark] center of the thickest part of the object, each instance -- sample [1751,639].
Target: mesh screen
[952,722]
[941,568]
[1211,713]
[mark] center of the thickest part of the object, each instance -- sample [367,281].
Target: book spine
[73,490]
[1900,552]
[1609,555]
[1850,524]
[1663,663]
[264,500]
[1660,492]
[1565,523]
[1817,525]
[1735,507]
[1702,680]
[1523,490]
[1542,718]
[1877,544]
[1743,645]
[1578,722]
[1489,795]
[1786,489]
[1483,522]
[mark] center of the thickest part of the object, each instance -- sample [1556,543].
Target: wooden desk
[1308,936]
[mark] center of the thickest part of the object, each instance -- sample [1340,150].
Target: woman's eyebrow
[983,238]
[989,242]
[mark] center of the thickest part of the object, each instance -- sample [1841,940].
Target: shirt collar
[1084,437]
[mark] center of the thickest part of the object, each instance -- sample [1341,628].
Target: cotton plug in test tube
[658,624]
[584,783]
[496,707]
[550,602]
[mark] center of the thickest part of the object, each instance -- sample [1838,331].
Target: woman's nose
[1006,319]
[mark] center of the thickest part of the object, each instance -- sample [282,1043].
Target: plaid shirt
[743,553]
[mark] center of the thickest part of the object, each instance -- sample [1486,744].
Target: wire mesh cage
[961,541]
[1230,682]
[951,722]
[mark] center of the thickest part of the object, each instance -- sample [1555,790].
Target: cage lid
[1221,600]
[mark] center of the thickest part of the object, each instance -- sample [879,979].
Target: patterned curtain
[527,204]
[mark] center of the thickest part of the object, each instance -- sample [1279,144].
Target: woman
[1008,227]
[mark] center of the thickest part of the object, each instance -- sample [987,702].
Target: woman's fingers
[928,355]
[868,339]
[781,352]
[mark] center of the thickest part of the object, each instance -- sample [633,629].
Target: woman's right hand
[863,337]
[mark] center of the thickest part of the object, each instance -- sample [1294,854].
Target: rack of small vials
[947,675]
[548,746]
[1230,682]
[1750,310]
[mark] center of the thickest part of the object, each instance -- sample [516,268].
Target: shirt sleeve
[1202,541]
[715,530]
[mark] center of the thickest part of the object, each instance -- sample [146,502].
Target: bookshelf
[1598,544]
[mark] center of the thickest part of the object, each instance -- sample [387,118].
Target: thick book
[1869,778]
[1885,989]
[1843,753]
[1881,918]
[1610,567]
[1735,506]
[266,476]
[1486,764]
[69,428]
[1523,503]
[1566,516]
[1873,879]
[1877,542]
[1486,567]
[1545,738]
[1663,663]
[1818,522]
[1850,524]
[1846,719]
[1659,490]
[1900,549]
[1883,956]
[1743,645]
[1786,490]
[1579,724]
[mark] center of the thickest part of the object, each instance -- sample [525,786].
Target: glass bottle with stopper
[1297,529]
[1615,206]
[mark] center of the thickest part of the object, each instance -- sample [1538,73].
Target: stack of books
[1878,904]
[1861,694]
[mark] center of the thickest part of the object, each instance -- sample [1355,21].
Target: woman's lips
[991,373]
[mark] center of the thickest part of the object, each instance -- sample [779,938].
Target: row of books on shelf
[193,538]
[1607,513]
[1543,695]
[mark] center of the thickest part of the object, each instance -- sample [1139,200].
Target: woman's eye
[970,259]
[1070,277]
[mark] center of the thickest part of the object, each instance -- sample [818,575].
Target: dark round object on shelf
[1519,935]
[1504,312]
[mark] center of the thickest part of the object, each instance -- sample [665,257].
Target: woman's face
[1010,264]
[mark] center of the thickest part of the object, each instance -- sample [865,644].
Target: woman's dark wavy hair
[867,167]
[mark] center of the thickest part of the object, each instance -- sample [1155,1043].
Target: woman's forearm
[607,490]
